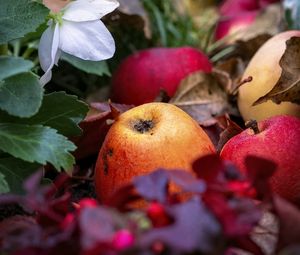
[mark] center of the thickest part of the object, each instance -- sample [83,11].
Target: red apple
[141,76]
[237,7]
[234,25]
[264,3]
[237,15]
[277,139]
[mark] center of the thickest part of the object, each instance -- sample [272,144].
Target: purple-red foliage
[212,211]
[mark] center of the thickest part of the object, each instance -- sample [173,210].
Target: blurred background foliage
[136,25]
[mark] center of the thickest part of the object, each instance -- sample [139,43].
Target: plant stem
[28,52]
[16,47]
[3,49]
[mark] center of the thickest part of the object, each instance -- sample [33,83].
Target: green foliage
[92,67]
[59,111]
[20,92]
[10,66]
[4,188]
[35,139]
[292,13]
[169,28]
[14,172]
[19,17]
[21,95]
[33,126]
[36,144]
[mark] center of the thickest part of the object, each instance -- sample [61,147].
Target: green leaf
[10,66]
[93,67]
[19,17]
[36,144]
[62,112]
[15,172]
[4,188]
[21,95]
[59,111]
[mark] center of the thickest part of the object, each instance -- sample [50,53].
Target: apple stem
[253,125]
[242,82]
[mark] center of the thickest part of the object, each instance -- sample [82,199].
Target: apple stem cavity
[253,125]
[143,126]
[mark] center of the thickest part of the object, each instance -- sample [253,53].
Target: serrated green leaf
[37,144]
[15,172]
[59,111]
[93,67]
[4,188]
[21,95]
[10,66]
[19,17]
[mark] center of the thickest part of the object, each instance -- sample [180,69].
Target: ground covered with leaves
[50,139]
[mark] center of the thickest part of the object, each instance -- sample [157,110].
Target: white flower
[77,30]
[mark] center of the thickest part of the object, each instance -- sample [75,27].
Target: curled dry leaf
[132,7]
[265,234]
[230,129]
[247,48]
[269,21]
[234,59]
[288,86]
[204,96]
[235,68]
[235,62]
[133,12]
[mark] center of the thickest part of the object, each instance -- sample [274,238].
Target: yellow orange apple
[265,69]
[147,137]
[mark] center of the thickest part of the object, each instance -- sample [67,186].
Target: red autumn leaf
[95,128]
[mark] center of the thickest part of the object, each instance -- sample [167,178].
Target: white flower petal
[78,12]
[88,10]
[46,77]
[87,40]
[57,57]
[102,7]
[48,51]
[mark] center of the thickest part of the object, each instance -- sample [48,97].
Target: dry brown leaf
[269,21]
[265,235]
[204,96]
[233,66]
[288,86]
[242,50]
[135,9]
[230,129]
[247,48]
[235,62]
[95,127]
